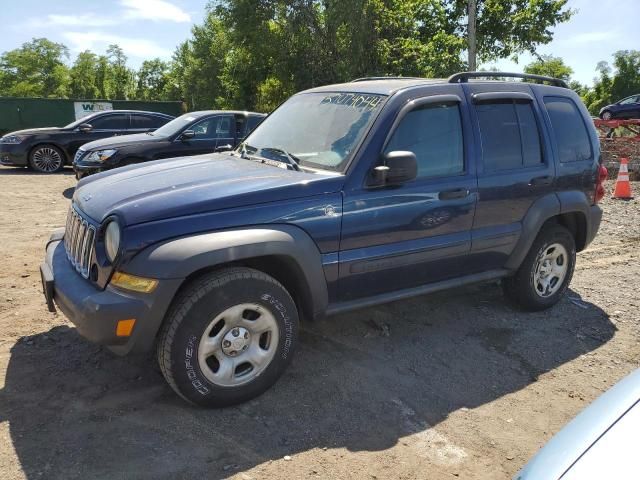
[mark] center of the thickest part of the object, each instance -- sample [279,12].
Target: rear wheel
[546,271]
[228,337]
[46,159]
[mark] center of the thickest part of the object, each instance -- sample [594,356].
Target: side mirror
[224,148]
[187,134]
[397,167]
[85,127]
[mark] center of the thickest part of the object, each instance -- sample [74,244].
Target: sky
[153,28]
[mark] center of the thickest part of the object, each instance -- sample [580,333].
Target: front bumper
[84,170]
[13,155]
[95,312]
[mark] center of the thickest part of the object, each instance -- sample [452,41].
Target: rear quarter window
[569,131]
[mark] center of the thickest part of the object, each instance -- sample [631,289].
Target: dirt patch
[452,384]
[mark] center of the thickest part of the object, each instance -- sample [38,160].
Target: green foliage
[152,80]
[84,76]
[550,66]
[121,78]
[36,69]
[253,54]
[615,84]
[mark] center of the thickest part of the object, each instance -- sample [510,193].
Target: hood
[121,141]
[35,131]
[191,185]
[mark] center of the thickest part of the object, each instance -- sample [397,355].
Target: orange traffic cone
[623,187]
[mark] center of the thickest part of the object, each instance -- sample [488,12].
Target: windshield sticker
[358,101]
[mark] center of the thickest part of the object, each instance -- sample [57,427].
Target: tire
[46,159]
[545,273]
[607,115]
[212,353]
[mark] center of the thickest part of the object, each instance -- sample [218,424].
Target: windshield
[318,130]
[174,126]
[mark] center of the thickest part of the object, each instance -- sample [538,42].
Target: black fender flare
[539,212]
[181,257]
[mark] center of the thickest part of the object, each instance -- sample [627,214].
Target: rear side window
[434,134]
[509,135]
[116,121]
[146,121]
[569,130]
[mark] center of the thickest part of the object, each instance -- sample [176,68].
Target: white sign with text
[87,108]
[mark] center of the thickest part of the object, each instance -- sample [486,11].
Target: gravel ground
[454,384]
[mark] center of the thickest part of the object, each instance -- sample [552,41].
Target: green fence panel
[20,113]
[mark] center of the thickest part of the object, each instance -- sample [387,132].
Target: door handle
[454,194]
[539,181]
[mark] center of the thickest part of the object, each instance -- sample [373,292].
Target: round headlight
[112,240]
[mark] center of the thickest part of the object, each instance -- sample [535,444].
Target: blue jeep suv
[346,196]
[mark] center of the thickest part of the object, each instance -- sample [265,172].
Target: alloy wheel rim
[551,269]
[238,345]
[47,159]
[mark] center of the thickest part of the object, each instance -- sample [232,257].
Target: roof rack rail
[463,77]
[367,79]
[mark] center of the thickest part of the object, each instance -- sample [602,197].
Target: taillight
[602,176]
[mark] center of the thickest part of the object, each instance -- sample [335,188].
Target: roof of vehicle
[390,85]
[133,111]
[202,113]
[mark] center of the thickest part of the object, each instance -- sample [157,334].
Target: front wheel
[46,159]
[228,337]
[606,115]
[546,271]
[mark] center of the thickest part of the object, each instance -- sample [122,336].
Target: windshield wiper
[293,160]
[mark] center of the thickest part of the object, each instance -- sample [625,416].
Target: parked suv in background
[47,150]
[194,133]
[346,196]
[626,108]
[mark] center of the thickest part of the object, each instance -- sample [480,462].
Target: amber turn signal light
[125,327]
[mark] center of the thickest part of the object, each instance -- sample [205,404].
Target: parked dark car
[193,133]
[626,108]
[346,196]
[48,150]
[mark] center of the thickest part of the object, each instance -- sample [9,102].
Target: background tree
[152,78]
[614,84]
[121,84]
[36,69]
[83,76]
[550,66]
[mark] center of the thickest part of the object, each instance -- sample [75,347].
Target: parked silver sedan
[600,443]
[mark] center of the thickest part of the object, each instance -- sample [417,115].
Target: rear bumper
[13,155]
[593,224]
[96,313]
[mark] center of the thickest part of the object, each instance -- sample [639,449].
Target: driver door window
[433,132]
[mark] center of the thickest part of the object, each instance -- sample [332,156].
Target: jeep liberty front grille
[79,238]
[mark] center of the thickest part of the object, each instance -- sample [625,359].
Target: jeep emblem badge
[330,211]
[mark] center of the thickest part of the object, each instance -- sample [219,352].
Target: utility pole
[471,30]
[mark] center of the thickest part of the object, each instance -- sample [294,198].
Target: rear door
[516,169]
[417,233]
